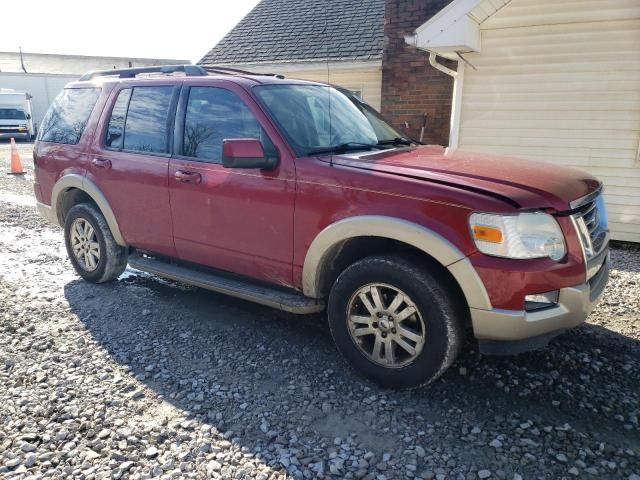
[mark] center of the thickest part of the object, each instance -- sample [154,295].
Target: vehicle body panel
[240,220]
[54,160]
[134,184]
[529,184]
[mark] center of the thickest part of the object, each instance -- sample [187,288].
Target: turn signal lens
[487,234]
[525,235]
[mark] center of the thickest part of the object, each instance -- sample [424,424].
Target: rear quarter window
[68,115]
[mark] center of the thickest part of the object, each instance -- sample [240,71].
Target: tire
[112,258]
[438,321]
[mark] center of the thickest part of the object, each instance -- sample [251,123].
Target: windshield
[12,114]
[303,112]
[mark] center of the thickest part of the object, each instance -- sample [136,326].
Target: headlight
[526,235]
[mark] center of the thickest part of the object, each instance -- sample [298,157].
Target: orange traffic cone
[16,162]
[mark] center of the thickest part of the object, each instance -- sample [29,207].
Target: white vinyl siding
[560,81]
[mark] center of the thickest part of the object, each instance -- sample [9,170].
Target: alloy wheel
[85,245]
[386,325]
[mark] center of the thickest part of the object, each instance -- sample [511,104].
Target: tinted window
[146,124]
[115,130]
[69,114]
[214,114]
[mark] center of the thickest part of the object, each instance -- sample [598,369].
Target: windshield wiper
[346,147]
[396,141]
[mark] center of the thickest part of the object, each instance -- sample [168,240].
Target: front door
[129,163]
[238,220]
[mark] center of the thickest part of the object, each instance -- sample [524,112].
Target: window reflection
[146,123]
[214,114]
[66,119]
[115,131]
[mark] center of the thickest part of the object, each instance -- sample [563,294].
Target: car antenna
[326,23]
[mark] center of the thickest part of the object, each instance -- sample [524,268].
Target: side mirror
[245,153]
[28,116]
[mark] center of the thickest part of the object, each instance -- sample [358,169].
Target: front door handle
[101,163]
[188,177]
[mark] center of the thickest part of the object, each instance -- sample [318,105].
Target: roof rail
[189,70]
[228,70]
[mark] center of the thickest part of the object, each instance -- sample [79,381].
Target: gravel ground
[147,378]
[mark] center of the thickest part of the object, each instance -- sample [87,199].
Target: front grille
[590,217]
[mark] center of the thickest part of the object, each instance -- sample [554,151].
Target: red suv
[299,196]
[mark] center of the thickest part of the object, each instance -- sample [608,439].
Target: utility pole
[22,61]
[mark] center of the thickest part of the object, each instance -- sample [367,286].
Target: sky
[184,29]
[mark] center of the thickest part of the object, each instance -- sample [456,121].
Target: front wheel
[94,253]
[395,322]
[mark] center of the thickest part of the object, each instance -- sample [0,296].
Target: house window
[356,91]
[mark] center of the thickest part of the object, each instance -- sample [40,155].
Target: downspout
[456,101]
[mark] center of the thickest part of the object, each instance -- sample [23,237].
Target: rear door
[239,220]
[130,160]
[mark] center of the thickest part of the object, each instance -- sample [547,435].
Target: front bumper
[513,331]
[16,135]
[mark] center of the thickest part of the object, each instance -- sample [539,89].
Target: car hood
[522,183]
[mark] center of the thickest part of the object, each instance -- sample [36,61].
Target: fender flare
[73,180]
[326,243]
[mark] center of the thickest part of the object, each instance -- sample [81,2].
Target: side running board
[228,284]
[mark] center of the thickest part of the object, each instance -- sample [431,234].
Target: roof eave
[456,28]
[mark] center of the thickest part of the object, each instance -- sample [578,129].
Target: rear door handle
[101,163]
[188,177]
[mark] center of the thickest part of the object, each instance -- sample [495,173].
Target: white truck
[16,119]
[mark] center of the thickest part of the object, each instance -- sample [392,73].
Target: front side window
[115,130]
[213,115]
[68,115]
[146,126]
[319,117]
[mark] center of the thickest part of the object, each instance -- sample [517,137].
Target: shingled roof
[289,31]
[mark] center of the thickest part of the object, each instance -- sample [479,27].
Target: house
[300,39]
[44,75]
[553,80]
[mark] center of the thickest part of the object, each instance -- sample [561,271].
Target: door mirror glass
[245,153]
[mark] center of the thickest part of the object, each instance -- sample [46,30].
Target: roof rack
[228,70]
[189,71]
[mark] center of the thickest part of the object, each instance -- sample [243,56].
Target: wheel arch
[329,242]
[75,181]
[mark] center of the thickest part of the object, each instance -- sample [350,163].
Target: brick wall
[410,86]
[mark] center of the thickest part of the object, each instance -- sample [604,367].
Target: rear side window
[146,125]
[214,114]
[68,115]
[115,130]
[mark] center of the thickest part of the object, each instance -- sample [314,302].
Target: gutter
[456,101]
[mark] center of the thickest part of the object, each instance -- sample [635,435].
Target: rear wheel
[395,322]
[92,250]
